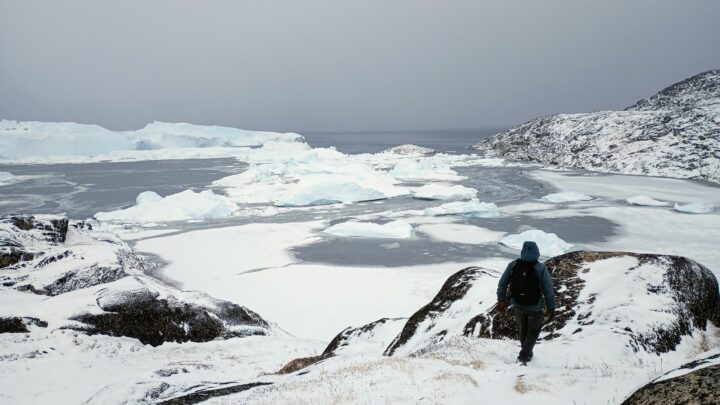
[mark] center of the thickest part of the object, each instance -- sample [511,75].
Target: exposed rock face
[112,294]
[411,150]
[675,133]
[697,382]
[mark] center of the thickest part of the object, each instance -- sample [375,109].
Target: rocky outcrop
[111,294]
[675,133]
[372,338]
[697,383]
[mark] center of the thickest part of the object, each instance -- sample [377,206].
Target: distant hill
[674,133]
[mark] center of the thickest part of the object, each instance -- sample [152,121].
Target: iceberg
[568,196]
[71,142]
[549,243]
[472,208]
[397,229]
[410,150]
[646,201]
[697,207]
[424,169]
[444,192]
[186,205]
[6,178]
[321,189]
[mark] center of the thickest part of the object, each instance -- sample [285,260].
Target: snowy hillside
[675,133]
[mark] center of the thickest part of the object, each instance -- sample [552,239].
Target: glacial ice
[186,205]
[549,243]
[472,208]
[6,178]
[320,189]
[397,229]
[444,192]
[646,201]
[697,207]
[568,196]
[424,169]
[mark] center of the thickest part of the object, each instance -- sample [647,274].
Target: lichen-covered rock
[675,133]
[694,383]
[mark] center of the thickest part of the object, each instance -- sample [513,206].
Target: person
[529,282]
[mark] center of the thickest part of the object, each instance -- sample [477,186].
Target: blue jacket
[530,252]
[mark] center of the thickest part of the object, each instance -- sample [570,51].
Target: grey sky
[342,65]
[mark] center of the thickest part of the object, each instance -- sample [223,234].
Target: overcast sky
[343,66]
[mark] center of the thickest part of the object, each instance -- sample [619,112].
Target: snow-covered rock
[697,207]
[320,189]
[646,201]
[411,150]
[186,205]
[370,339]
[444,192]
[675,133]
[549,243]
[693,382]
[397,229]
[428,168]
[568,196]
[93,282]
[472,208]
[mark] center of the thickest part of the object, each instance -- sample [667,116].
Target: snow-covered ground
[245,238]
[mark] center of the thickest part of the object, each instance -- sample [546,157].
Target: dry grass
[522,386]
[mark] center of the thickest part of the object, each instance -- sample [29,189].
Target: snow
[568,196]
[549,243]
[472,208]
[461,233]
[430,168]
[411,150]
[186,205]
[695,208]
[646,201]
[397,229]
[444,192]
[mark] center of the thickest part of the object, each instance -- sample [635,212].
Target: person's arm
[547,287]
[504,281]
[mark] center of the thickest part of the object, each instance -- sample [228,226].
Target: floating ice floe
[411,150]
[444,192]
[697,207]
[472,208]
[6,178]
[186,205]
[429,168]
[549,243]
[320,189]
[397,229]
[461,233]
[568,196]
[646,201]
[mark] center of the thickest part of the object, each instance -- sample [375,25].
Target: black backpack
[525,284]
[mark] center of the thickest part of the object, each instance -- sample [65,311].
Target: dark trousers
[530,323]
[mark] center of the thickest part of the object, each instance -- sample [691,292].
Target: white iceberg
[697,207]
[472,208]
[398,229]
[568,196]
[444,192]
[424,169]
[6,178]
[461,234]
[323,189]
[410,150]
[646,201]
[70,142]
[186,205]
[549,243]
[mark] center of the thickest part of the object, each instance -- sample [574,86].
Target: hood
[530,252]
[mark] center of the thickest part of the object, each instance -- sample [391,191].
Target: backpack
[525,283]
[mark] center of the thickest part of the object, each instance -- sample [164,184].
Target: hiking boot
[522,360]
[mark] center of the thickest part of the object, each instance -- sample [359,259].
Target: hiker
[529,281]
